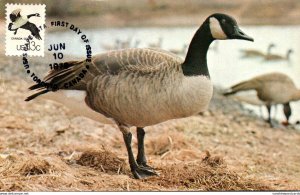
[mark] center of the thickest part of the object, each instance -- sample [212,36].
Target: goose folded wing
[110,63]
[117,61]
[273,77]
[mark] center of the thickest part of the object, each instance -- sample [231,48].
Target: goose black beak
[239,34]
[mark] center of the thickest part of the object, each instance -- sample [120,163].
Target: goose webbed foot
[145,166]
[138,171]
[141,172]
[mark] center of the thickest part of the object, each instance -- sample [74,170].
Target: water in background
[225,63]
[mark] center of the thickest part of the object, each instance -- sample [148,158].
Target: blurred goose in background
[126,43]
[141,87]
[272,88]
[181,51]
[158,44]
[276,57]
[252,53]
[136,44]
[114,46]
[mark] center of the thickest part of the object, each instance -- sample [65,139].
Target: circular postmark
[57,50]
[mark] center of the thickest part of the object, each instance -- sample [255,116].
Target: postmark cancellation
[25,29]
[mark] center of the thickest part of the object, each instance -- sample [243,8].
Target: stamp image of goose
[18,21]
[25,22]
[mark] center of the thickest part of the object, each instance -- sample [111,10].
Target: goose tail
[70,76]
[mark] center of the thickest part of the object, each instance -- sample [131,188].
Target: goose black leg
[287,112]
[275,111]
[141,157]
[269,120]
[269,113]
[138,172]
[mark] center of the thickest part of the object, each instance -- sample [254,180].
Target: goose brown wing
[117,61]
[110,63]
[273,78]
[261,81]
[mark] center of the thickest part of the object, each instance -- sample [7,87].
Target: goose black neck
[195,62]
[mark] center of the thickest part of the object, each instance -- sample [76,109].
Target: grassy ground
[44,147]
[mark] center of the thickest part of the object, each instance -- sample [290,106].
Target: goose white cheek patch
[216,29]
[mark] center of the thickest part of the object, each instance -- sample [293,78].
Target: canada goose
[272,89]
[179,51]
[17,21]
[158,44]
[276,57]
[249,53]
[142,87]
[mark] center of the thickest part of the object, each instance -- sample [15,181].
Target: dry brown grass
[45,148]
[103,170]
[208,174]
[104,161]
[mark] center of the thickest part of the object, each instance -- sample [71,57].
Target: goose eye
[223,21]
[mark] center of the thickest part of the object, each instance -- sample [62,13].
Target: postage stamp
[25,22]
[25,37]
